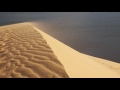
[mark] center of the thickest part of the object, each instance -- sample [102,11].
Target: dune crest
[24,53]
[28,52]
[76,64]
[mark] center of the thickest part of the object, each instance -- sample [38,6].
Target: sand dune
[27,52]
[79,65]
[24,53]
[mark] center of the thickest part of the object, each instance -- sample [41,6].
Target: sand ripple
[24,53]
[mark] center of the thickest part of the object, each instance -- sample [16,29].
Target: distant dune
[27,52]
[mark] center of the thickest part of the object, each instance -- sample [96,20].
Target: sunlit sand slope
[78,65]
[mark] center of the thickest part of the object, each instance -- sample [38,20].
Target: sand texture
[28,52]
[24,53]
[79,65]
[107,63]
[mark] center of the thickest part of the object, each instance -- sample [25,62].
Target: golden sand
[107,63]
[24,53]
[28,52]
[79,65]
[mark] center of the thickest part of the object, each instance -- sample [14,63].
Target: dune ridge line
[24,53]
[76,64]
[28,52]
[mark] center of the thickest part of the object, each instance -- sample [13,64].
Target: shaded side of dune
[24,53]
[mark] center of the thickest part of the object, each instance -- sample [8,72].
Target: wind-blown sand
[27,52]
[24,53]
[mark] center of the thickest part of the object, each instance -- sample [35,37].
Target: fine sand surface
[24,53]
[79,65]
[27,52]
[109,64]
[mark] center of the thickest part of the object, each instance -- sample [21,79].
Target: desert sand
[24,53]
[78,65]
[28,52]
[107,63]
